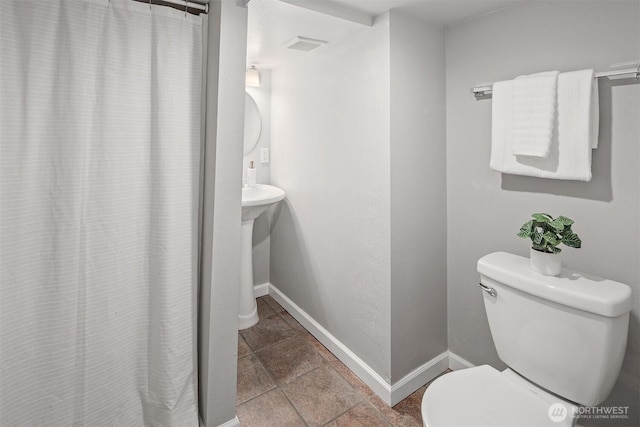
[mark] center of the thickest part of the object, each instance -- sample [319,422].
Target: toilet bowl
[563,339]
[484,396]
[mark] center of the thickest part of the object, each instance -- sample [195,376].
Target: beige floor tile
[361,415]
[274,304]
[264,309]
[243,348]
[321,349]
[396,418]
[253,379]
[410,409]
[352,378]
[321,395]
[269,410]
[267,331]
[289,359]
[295,325]
[284,373]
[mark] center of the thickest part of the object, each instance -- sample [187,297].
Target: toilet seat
[484,396]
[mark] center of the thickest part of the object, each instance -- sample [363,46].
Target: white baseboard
[388,393]
[261,290]
[456,362]
[235,422]
[419,377]
[341,351]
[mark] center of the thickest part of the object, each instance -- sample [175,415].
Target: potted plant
[546,233]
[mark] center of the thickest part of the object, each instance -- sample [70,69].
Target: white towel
[578,116]
[577,123]
[534,113]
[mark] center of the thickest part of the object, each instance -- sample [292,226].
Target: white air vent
[304,44]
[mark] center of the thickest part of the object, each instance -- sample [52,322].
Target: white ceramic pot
[545,263]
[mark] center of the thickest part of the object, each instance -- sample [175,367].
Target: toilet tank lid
[571,288]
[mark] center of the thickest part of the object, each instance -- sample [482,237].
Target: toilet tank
[566,334]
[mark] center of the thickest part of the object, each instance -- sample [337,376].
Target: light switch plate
[264,155]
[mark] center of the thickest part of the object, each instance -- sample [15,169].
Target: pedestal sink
[255,200]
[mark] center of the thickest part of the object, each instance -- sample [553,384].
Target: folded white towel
[534,113]
[574,136]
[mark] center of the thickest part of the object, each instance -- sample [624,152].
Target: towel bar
[486,89]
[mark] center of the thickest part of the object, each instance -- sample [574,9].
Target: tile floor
[287,378]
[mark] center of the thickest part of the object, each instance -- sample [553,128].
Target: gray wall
[358,144]
[486,209]
[330,242]
[220,271]
[418,194]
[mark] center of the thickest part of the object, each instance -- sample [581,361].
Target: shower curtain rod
[202,5]
[484,90]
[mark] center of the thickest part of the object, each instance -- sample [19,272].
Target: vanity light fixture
[253,77]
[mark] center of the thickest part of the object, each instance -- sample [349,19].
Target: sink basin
[255,200]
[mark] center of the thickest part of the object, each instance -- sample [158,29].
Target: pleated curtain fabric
[99,182]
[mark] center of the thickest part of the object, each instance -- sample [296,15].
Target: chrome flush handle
[488,290]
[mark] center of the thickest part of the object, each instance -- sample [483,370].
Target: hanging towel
[575,131]
[534,113]
[501,126]
[578,117]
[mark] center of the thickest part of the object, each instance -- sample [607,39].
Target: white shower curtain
[99,183]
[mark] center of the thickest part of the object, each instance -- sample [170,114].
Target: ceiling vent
[304,44]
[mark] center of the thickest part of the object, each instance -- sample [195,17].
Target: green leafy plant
[546,233]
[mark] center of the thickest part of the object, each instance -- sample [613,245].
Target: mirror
[252,123]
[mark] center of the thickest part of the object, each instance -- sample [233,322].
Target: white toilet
[563,339]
